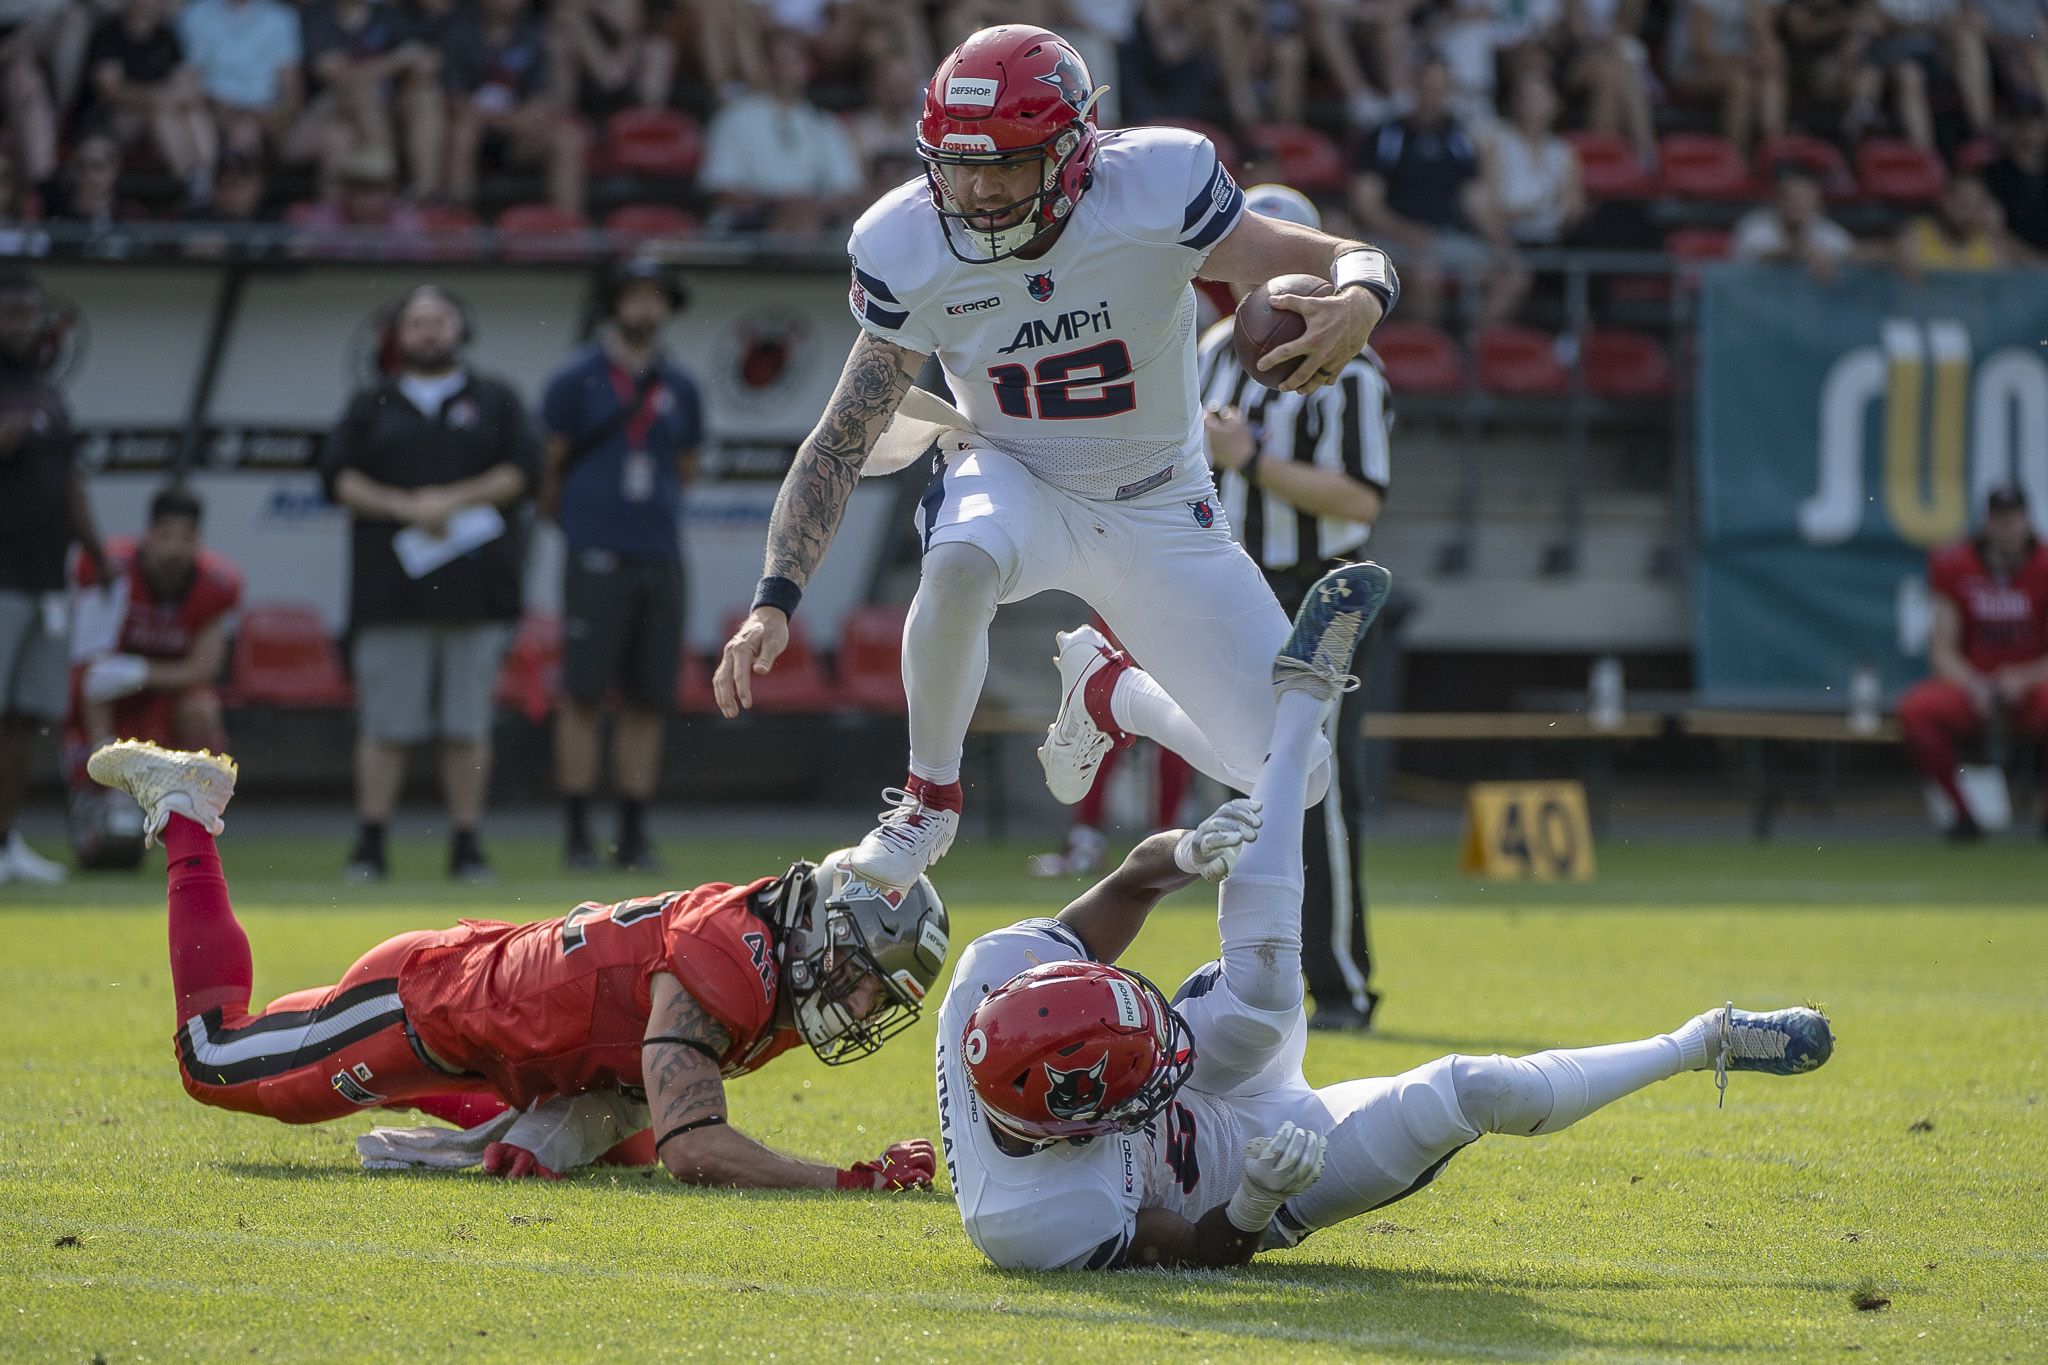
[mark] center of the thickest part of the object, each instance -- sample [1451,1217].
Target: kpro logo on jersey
[1039,286]
[974,306]
[1205,515]
[977,91]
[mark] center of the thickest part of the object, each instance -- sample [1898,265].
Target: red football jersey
[560,1006]
[2005,621]
[165,629]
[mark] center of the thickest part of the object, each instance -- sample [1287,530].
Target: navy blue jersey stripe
[934,498]
[882,317]
[1200,982]
[1431,1174]
[874,286]
[1199,205]
[1220,221]
[1053,929]
[1110,1254]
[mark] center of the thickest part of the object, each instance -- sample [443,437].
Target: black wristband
[694,1044]
[778,592]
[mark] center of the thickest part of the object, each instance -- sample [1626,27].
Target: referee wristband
[1368,266]
[778,592]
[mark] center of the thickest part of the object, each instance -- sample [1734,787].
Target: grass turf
[137,1225]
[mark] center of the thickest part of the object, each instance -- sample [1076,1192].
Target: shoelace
[1319,668]
[1339,640]
[1747,1042]
[904,820]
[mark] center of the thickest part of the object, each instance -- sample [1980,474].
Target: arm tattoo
[678,1062]
[828,463]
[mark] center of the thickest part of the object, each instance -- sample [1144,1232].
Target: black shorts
[622,626]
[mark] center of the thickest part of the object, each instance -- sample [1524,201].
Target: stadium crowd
[1455,130]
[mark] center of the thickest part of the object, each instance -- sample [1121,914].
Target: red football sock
[1934,753]
[210,963]
[464,1111]
[932,795]
[1088,810]
[1175,777]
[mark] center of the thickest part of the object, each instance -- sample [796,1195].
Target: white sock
[945,656]
[1549,1091]
[1140,706]
[1258,914]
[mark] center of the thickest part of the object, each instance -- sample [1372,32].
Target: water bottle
[1604,694]
[1866,693]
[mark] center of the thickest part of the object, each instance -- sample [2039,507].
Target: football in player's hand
[1260,326]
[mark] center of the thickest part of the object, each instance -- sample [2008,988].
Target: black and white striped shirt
[1343,426]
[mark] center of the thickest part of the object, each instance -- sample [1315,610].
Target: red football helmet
[1074,1050]
[1008,94]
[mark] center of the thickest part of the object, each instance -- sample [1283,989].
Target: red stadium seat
[1226,149]
[1419,358]
[1898,172]
[1823,159]
[643,221]
[660,142]
[693,685]
[871,659]
[301,213]
[798,681]
[1608,166]
[285,657]
[1698,244]
[1304,157]
[531,678]
[1625,365]
[541,232]
[1704,166]
[449,218]
[1521,361]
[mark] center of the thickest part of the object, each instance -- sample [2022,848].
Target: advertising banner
[1845,430]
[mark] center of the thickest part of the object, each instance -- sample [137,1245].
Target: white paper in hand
[922,417]
[419,553]
[97,615]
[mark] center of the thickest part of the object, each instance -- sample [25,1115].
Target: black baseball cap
[2005,497]
[639,270]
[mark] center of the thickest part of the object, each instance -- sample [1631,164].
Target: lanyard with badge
[636,474]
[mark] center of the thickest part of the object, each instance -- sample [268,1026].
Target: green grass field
[136,1225]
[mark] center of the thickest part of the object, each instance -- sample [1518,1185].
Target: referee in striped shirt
[1302,478]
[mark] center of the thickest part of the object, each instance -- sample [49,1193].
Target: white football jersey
[1073,1205]
[1079,364]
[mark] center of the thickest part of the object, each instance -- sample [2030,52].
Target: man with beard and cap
[42,510]
[432,461]
[622,426]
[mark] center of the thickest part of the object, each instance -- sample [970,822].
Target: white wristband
[1250,1212]
[1368,266]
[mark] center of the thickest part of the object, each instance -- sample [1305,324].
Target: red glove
[514,1163]
[904,1166]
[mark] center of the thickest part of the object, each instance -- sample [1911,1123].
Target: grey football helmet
[838,930]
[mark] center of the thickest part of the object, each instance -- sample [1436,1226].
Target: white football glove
[1276,1168]
[115,675]
[1210,849]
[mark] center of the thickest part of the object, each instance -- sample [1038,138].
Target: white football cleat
[1075,745]
[196,785]
[911,837]
[20,863]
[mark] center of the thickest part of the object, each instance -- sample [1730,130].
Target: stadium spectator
[1263,56]
[2019,178]
[363,215]
[42,511]
[240,193]
[1417,189]
[506,93]
[139,85]
[432,463]
[1340,30]
[247,54]
[622,427]
[1481,40]
[19,201]
[84,191]
[1988,650]
[1610,67]
[1166,71]
[721,41]
[32,116]
[1728,50]
[618,61]
[775,161]
[1531,172]
[1794,226]
[1825,43]
[1920,41]
[884,130]
[374,84]
[155,679]
[1965,232]
[2017,33]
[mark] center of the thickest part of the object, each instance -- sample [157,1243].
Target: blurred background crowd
[1459,130]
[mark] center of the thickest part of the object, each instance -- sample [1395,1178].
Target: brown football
[1260,326]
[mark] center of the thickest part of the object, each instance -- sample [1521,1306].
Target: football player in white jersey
[1048,267]
[1088,1124]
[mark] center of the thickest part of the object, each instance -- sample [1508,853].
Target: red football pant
[1937,714]
[313,1055]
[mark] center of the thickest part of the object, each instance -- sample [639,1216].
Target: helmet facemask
[838,932]
[1043,210]
[823,984]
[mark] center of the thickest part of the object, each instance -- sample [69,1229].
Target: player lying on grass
[1088,1124]
[608,1021]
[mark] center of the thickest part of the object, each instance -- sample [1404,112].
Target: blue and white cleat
[1788,1042]
[1337,612]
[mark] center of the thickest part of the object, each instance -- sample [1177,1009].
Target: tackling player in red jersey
[1989,647]
[610,1020]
